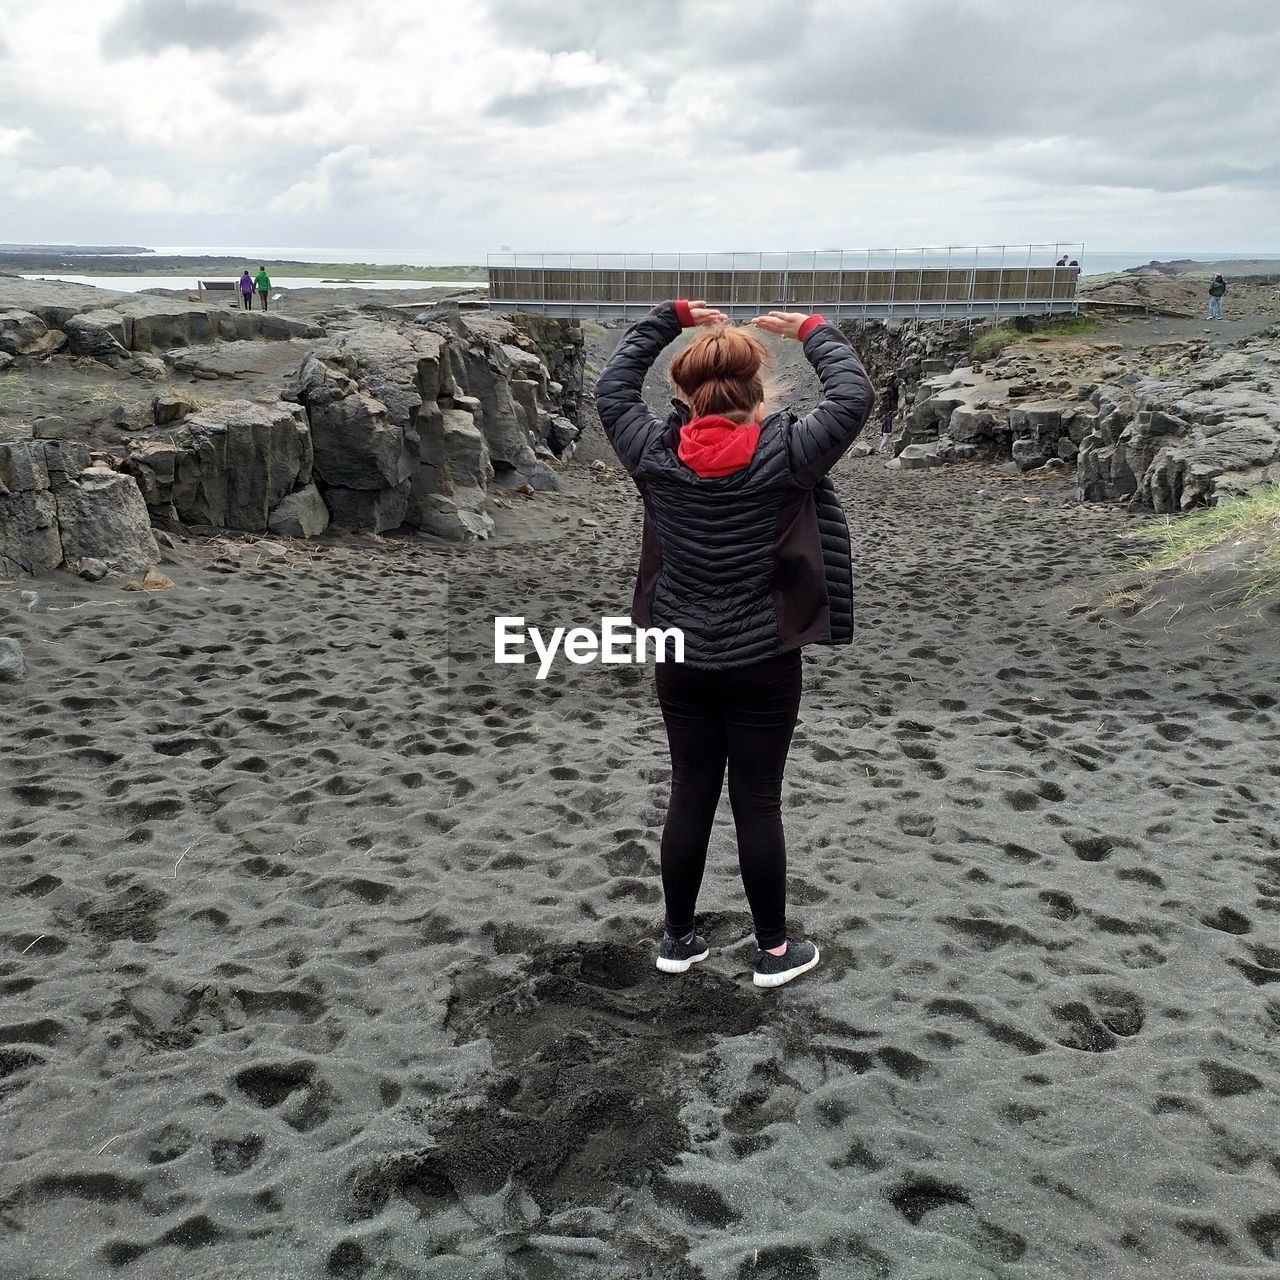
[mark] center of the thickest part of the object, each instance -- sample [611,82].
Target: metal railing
[952,281]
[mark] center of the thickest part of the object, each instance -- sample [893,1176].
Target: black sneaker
[774,971]
[675,956]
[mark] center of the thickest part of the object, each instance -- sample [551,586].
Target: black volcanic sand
[328,945]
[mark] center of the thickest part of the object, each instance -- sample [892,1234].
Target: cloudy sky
[454,126]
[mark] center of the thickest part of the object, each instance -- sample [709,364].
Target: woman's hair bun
[719,371]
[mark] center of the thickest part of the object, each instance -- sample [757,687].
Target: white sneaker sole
[681,966]
[781,979]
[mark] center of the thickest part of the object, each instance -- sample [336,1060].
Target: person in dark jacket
[246,290]
[745,549]
[1217,287]
[888,408]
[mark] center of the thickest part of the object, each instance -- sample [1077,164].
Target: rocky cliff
[1180,424]
[1190,437]
[365,418]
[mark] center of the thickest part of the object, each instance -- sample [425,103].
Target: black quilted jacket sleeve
[624,415]
[816,441]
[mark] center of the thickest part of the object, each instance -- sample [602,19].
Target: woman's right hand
[786,324]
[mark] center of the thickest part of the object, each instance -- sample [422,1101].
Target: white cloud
[454,128]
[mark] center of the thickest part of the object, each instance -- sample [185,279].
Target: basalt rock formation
[365,418]
[1192,425]
[57,509]
[1191,438]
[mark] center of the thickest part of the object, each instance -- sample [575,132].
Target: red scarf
[713,446]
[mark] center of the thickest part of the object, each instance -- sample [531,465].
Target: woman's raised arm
[626,419]
[817,440]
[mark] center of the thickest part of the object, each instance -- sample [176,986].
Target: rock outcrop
[389,422]
[57,509]
[1211,431]
[39,317]
[227,466]
[385,419]
[101,516]
[25,334]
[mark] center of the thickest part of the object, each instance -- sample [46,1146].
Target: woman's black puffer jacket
[754,563]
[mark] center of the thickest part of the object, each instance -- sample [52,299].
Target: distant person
[1061,262]
[246,290]
[263,281]
[746,551]
[1217,287]
[1073,263]
[888,408]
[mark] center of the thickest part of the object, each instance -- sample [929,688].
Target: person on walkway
[1217,287]
[745,549]
[246,290]
[888,408]
[263,281]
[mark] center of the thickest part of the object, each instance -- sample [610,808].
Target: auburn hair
[720,372]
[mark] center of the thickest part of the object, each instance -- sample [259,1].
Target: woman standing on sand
[746,550]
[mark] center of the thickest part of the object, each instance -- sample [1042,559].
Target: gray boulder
[99,335]
[150,367]
[968,424]
[169,407]
[300,515]
[402,369]
[22,333]
[487,376]
[446,518]
[29,541]
[90,570]
[227,465]
[12,666]
[917,456]
[1028,453]
[102,517]
[447,496]
[367,510]
[356,445]
[64,460]
[563,437]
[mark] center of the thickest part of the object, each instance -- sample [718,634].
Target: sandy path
[338,939]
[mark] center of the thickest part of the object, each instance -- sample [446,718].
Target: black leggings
[743,717]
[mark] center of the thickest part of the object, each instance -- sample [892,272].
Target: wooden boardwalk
[914,283]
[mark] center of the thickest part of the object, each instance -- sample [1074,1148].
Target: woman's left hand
[704,315]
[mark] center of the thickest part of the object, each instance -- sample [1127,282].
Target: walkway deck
[960,283]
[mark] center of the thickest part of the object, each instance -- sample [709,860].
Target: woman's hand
[704,315]
[786,324]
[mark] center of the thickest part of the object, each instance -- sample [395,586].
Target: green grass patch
[1249,525]
[995,340]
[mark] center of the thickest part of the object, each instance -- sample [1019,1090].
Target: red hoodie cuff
[809,326]
[686,316]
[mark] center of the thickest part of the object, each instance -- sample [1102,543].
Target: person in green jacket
[263,281]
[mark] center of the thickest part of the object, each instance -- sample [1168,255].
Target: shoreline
[110,265]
